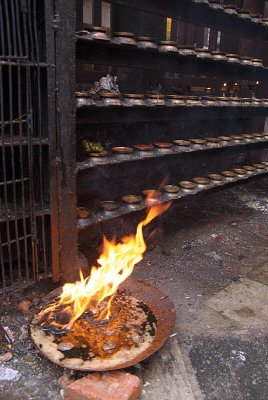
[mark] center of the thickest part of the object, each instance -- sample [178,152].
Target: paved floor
[211,258]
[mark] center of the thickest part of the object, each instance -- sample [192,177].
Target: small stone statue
[107,83]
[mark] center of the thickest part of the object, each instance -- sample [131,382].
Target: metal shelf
[113,159]
[101,216]
[24,141]
[97,52]
[11,215]
[199,14]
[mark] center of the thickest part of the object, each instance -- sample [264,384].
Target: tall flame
[116,263]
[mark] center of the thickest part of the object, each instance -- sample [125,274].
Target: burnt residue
[132,323]
[77,352]
[151,320]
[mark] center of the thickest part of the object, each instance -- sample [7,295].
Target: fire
[96,292]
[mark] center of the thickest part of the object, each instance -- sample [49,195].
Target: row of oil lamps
[108,99]
[234,10]
[169,192]
[128,39]
[96,150]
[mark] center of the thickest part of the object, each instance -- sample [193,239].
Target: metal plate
[159,304]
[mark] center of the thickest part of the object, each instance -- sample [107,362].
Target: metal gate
[29,166]
[25,252]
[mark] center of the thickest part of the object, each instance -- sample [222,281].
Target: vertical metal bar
[5,174]
[23,192]
[40,149]
[14,36]
[29,113]
[6,16]
[2,261]
[30,33]
[18,31]
[34,18]
[25,31]
[3,45]
[11,104]
[51,133]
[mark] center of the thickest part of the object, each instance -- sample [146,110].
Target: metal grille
[25,253]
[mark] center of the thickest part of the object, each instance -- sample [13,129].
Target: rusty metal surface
[160,305]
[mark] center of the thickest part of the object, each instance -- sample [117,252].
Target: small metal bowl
[215,177]
[155,100]
[187,50]
[124,38]
[257,62]
[100,154]
[225,138]
[231,175]
[187,185]
[175,100]
[264,21]
[85,100]
[237,138]
[143,147]
[84,34]
[201,181]
[259,135]
[193,101]
[152,196]
[244,14]
[163,145]
[219,56]
[122,150]
[110,100]
[168,46]
[171,189]
[256,18]
[199,142]
[98,158]
[233,58]
[146,42]
[182,143]
[216,4]
[203,53]
[131,199]
[240,172]
[259,166]
[134,100]
[82,212]
[212,141]
[245,60]
[235,101]
[249,169]
[98,33]
[109,206]
[230,9]
[248,136]
[223,101]
[209,101]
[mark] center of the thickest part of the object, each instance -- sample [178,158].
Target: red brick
[114,385]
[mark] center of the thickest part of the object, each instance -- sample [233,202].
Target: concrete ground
[211,259]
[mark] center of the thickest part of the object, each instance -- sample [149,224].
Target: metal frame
[37,132]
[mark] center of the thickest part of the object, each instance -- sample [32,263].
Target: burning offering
[106,321]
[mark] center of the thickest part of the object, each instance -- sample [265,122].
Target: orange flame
[116,263]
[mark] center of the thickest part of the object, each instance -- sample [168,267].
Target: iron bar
[24,142]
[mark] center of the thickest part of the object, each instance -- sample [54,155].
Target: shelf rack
[91,121]
[106,53]
[101,216]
